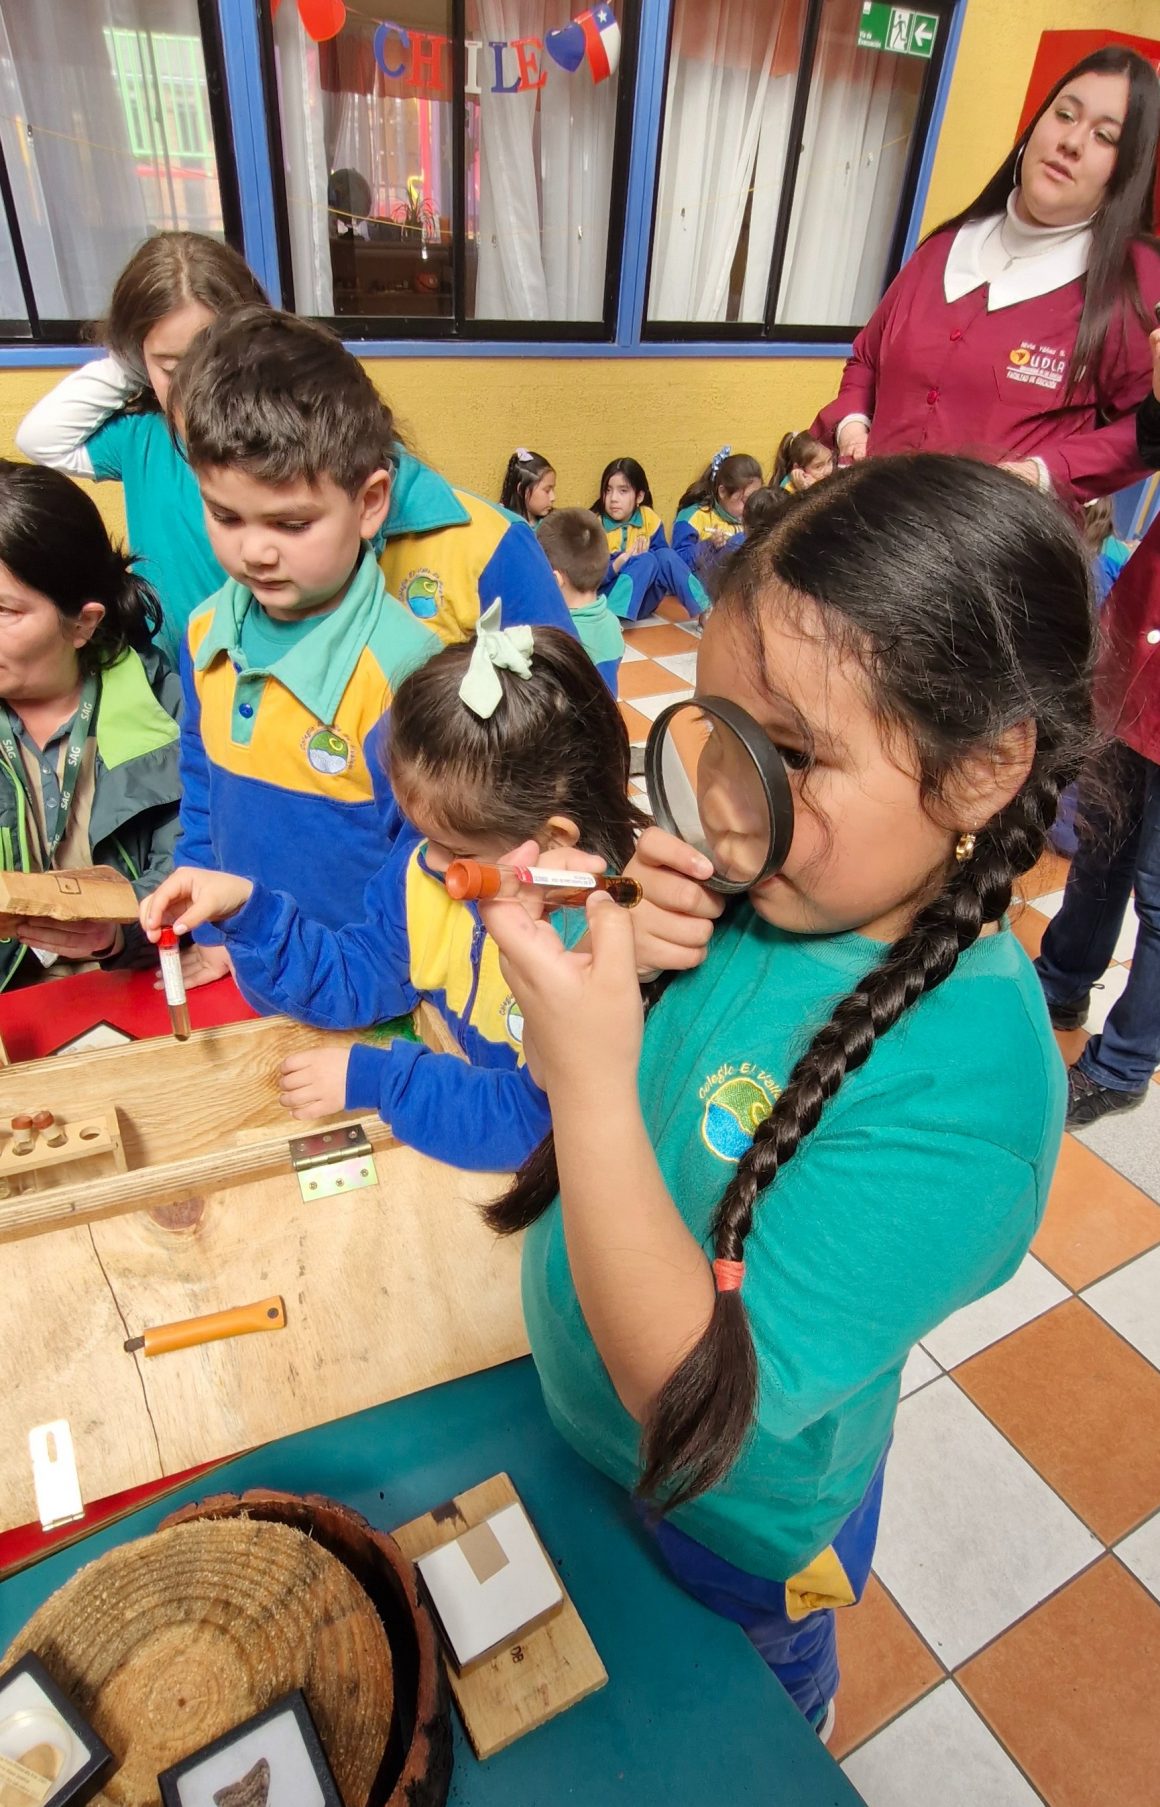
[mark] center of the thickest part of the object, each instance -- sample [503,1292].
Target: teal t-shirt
[600,632]
[920,1190]
[164,513]
[265,641]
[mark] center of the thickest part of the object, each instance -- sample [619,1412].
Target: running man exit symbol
[897,29]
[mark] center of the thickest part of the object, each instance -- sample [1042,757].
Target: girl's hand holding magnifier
[673,922]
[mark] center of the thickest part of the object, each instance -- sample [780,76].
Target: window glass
[855,148]
[541,132]
[366,120]
[106,135]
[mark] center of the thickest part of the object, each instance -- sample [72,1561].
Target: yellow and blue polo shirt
[275,780]
[448,555]
[412,942]
[692,528]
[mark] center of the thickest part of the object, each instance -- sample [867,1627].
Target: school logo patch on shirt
[513,1020]
[328,752]
[1042,366]
[735,1100]
[422,592]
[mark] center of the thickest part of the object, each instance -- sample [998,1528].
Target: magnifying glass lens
[708,787]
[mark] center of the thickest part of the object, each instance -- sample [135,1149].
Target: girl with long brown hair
[106,420]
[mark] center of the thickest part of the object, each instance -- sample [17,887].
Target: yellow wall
[465,415]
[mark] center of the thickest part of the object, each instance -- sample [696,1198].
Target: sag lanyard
[55,821]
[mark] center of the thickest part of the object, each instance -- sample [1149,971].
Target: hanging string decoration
[511,66]
[593,37]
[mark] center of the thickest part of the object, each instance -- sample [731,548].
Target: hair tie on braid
[728,1275]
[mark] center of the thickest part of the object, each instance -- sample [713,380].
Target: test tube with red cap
[174,983]
[469,880]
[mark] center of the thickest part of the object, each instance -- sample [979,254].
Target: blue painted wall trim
[946,77]
[242,54]
[55,357]
[648,108]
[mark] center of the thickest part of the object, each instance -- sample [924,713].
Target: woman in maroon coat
[1018,331]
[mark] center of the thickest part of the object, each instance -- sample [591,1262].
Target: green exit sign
[896,28]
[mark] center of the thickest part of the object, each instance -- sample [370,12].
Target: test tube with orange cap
[173,981]
[470,880]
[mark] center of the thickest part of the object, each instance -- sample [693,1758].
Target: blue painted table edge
[690,1713]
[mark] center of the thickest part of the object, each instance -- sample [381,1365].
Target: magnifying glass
[716,780]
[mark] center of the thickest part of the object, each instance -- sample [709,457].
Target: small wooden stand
[549,1670]
[94,1139]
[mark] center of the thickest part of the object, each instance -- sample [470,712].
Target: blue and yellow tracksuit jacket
[644,581]
[692,528]
[275,778]
[448,555]
[413,942]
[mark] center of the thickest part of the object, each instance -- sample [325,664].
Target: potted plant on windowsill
[416,216]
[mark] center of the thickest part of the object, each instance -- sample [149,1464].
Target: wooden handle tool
[267,1314]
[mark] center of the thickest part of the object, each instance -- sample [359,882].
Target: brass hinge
[336,1160]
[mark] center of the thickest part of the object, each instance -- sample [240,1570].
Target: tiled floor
[1007,1652]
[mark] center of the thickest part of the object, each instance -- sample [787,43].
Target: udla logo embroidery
[1020,355]
[422,593]
[328,752]
[733,1109]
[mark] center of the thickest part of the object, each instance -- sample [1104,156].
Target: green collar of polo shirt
[318,669]
[421,500]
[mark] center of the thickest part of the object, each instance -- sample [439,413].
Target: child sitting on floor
[292,663]
[709,513]
[642,567]
[575,547]
[529,486]
[510,743]
[799,462]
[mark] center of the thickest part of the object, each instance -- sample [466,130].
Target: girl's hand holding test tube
[673,922]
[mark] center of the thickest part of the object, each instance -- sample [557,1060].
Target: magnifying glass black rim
[770,769]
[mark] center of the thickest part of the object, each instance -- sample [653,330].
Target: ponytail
[726,472]
[794,450]
[524,470]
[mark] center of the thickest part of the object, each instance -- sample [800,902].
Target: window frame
[45,330]
[457,328]
[769,331]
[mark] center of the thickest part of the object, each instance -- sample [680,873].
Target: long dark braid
[967,596]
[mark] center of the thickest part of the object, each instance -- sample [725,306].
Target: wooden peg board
[549,1670]
[93,1139]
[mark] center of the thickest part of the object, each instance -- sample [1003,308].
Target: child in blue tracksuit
[642,567]
[511,740]
[709,514]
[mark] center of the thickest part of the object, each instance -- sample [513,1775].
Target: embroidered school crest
[328,752]
[513,1020]
[422,593]
[733,1109]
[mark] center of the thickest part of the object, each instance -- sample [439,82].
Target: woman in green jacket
[88,730]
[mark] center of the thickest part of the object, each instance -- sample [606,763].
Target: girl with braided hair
[839,1122]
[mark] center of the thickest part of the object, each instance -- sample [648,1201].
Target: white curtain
[545,176]
[723,105]
[854,147]
[81,203]
[301,113]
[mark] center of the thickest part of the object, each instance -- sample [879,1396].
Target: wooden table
[690,1714]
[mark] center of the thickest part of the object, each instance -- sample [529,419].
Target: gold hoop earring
[964,848]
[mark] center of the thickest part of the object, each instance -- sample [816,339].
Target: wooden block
[85,1139]
[89,894]
[548,1671]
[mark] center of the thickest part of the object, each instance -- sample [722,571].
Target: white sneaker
[825,1725]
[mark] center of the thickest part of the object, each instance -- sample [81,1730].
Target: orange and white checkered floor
[1007,1652]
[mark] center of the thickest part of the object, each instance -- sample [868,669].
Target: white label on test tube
[171,976]
[544,875]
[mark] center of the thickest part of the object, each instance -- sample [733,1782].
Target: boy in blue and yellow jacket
[290,665]
[448,555]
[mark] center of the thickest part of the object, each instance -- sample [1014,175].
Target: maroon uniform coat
[1129,683]
[939,376]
